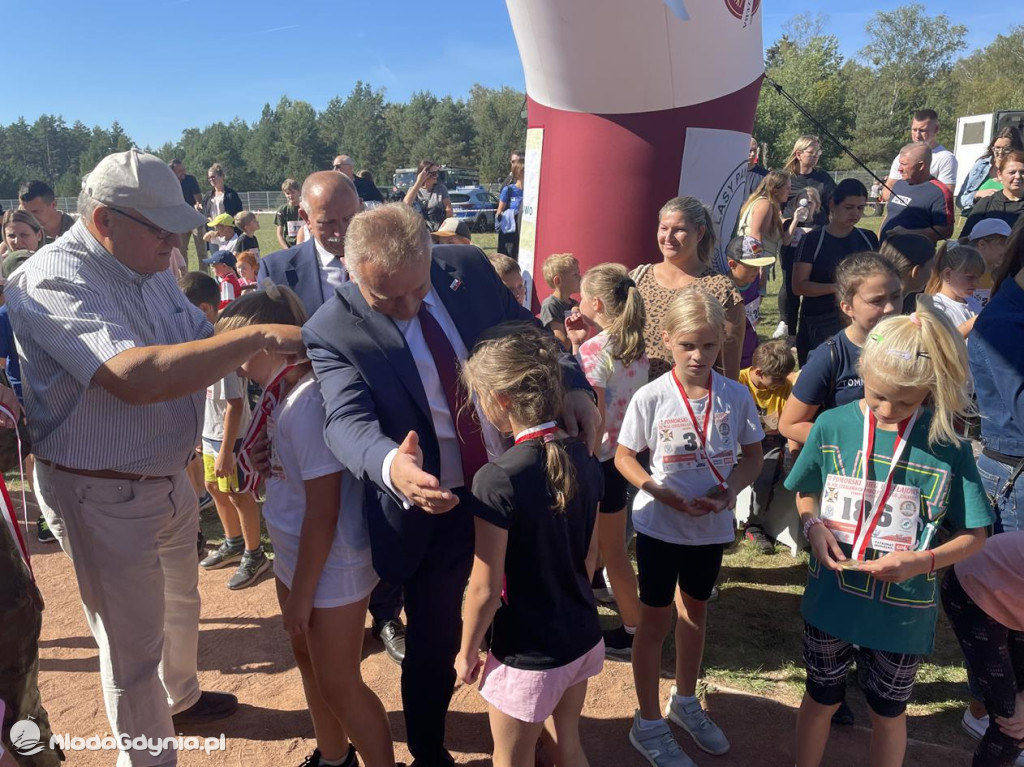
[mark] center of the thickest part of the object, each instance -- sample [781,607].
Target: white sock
[681,699]
[629,629]
[648,724]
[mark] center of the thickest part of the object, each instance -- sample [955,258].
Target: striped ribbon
[267,403]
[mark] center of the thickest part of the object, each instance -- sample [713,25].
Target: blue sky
[158,66]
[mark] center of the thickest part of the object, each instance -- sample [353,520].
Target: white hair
[391,236]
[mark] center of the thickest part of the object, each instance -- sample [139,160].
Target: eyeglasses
[1002,149]
[161,234]
[812,152]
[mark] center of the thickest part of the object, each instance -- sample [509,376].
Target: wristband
[932,568]
[811,522]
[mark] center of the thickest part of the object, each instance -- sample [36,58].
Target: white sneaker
[974,726]
[781,331]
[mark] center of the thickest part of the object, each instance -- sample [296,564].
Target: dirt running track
[243,650]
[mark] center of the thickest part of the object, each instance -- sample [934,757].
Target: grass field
[755,629]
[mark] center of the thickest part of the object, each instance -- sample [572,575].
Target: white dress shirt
[332,270]
[440,415]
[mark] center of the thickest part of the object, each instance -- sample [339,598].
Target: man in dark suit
[313,269]
[385,351]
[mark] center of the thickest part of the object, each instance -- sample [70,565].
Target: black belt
[1003,458]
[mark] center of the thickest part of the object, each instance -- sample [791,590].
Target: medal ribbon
[537,432]
[267,403]
[703,433]
[862,535]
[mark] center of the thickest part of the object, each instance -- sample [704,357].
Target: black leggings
[789,304]
[995,657]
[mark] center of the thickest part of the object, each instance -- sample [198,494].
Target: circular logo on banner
[742,9]
[725,211]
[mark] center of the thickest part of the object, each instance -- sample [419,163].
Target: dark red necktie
[471,442]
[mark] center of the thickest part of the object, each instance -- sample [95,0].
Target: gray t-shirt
[553,309]
[430,204]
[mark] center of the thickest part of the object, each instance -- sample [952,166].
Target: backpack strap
[638,273]
[833,373]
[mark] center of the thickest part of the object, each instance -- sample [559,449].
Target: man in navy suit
[391,421]
[314,268]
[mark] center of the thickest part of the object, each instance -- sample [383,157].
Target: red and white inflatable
[630,103]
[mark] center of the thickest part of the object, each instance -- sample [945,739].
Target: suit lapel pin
[456,284]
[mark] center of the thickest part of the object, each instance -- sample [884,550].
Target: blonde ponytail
[623,307]
[518,363]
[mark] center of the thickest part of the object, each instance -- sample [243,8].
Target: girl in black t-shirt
[535,553]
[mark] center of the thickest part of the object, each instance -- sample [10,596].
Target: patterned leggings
[995,657]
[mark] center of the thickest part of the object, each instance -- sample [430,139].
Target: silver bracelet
[811,522]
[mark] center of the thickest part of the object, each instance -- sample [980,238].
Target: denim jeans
[1010,509]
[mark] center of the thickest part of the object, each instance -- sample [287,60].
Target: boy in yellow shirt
[770,386]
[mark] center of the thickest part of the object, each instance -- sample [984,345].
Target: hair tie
[549,438]
[622,289]
[271,289]
[952,245]
[915,319]
[875,337]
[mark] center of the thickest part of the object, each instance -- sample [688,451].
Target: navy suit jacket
[373,394]
[298,268]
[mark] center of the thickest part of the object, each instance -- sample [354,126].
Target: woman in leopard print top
[686,239]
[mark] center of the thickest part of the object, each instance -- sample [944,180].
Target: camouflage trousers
[21,618]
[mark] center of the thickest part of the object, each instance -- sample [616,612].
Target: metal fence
[268,202]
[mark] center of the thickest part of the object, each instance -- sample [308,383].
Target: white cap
[144,182]
[989,226]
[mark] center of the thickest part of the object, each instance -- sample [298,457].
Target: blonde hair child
[313,510]
[958,270]
[535,546]
[616,366]
[871,590]
[692,420]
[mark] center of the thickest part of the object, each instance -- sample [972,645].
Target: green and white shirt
[852,605]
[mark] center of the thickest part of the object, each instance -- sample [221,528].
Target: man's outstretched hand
[408,478]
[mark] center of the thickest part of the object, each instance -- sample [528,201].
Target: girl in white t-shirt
[616,365]
[958,269]
[693,421]
[314,514]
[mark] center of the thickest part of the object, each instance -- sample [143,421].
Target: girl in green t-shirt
[871,589]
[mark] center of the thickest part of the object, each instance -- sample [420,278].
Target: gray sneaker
[249,570]
[222,557]
[694,719]
[658,745]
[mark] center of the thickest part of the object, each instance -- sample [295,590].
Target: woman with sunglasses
[802,166]
[982,181]
[428,196]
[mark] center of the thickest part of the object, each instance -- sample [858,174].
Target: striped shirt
[74,306]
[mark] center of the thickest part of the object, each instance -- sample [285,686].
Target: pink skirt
[532,696]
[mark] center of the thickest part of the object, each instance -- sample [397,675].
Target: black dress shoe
[392,634]
[210,707]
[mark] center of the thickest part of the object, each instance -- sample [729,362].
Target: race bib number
[897,527]
[294,227]
[680,449]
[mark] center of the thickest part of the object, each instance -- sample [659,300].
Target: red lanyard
[703,433]
[862,536]
[537,432]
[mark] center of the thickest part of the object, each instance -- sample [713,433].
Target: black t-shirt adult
[918,206]
[823,252]
[818,373]
[818,179]
[548,617]
[994,206]
[189,189]
[368,191]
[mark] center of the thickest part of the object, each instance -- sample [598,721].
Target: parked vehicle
[974,134]
[476,206]
[449,175]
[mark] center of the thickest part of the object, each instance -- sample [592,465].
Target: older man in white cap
[116,365]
